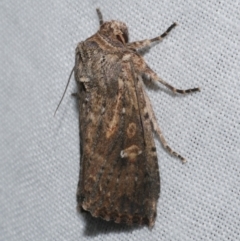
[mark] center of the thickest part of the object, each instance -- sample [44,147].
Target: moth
[119,175]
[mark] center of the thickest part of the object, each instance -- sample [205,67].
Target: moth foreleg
[153,76]
[147,42]
[164,34]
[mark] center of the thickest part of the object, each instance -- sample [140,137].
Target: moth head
[116,30]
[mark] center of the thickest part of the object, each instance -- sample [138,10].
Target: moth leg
[149,113]
[147,42]
[149,73]
[163,140]
[100,17]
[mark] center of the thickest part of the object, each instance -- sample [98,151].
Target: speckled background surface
[39,154]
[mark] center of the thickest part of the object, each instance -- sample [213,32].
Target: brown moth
[119,175]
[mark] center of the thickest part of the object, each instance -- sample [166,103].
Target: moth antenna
[100,17]
[64,90]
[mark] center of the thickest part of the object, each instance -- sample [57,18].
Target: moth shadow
[75,97]
[96,226]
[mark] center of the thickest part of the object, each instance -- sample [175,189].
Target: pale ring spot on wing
[131,153]
[131,130]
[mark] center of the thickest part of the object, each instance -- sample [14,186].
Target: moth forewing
[119,176]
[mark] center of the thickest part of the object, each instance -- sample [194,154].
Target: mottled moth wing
[119,175]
